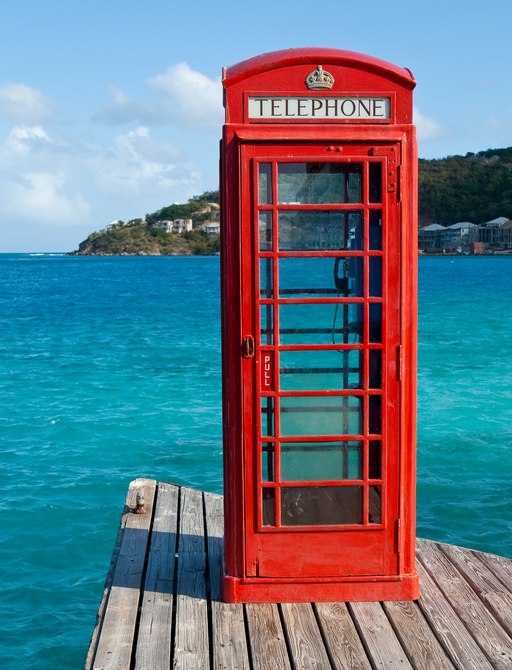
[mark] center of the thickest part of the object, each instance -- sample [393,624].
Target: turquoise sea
[110,370]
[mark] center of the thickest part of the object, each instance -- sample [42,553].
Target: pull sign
[267,371]
[248,346]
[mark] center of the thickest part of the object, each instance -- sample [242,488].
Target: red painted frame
[284,73]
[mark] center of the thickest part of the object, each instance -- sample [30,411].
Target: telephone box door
[320,350]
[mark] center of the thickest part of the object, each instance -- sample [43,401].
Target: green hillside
[474,187]
[143,237]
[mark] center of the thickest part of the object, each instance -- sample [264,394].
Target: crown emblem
[319,79]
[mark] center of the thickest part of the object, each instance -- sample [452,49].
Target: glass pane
[317,415]
[314,230]
[267,417]
[317,461]
[375,369]
[265,183]
[375,414]
[321,323]
[320,370]
[321,277]
[348,276]
[375,276]
[269,507]
[375,182]
[266,278]
[319,183]
[267,462]
[267,324]
[376,230]
[321,505]
[375,459]
[375,322]
[375,504]
[265,225]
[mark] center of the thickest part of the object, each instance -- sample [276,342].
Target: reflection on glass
[267,417]
[321,505]
[375,505]
[375,459]
[265,183]
[265,226]
[375,276]
[321,323]
[375,182]
[267,462]
[320,370]
[316,229]
[269,507]
[267,324]
[375,368]
[375,317]
[375,414]
[316,415]
[319,183]
[317,461]
[266,278]
[376,230]
[321,277]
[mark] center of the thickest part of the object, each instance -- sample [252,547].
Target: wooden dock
[161,605]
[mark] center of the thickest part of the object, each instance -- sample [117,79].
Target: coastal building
[164,225]
[466,237]
[491,233]
[212,228]
[459,236]
[176,226]
[182,226]
[429,238]
[455,238]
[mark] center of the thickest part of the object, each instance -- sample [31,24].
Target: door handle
[248,346]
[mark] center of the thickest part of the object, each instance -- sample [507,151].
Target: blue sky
[111,109]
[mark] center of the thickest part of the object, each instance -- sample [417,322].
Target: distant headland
[190,229]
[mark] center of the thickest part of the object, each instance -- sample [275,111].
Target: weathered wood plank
[129,504]
[341,638]
[490,636]
[230,650]
[501,566]
[191,650]
[266,637]
[416,637]
[379,639]
[484,582]
[117,634]
[154,635]
[463,618]
[450,631]
[307,648]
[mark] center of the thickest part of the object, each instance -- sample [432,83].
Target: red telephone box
[318,186]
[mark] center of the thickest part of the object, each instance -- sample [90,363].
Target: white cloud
[22,139]
[123,109]
[36,180]
[24,104]
[427,129]
[41,197]
[196,97]
[136,164]
[185,96]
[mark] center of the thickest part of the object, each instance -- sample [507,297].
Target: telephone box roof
[288,57]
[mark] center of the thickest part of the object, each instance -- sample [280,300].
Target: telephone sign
[318,187]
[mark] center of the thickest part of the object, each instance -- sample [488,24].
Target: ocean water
[110,370]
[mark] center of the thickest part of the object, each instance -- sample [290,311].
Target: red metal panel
[318,554]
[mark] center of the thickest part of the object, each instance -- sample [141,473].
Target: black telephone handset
[341,281]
